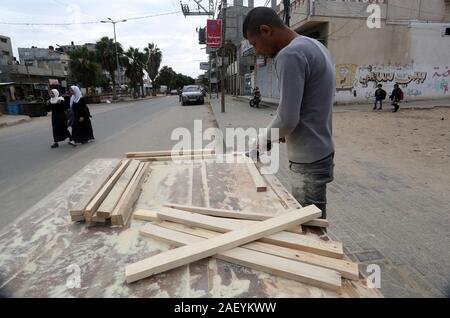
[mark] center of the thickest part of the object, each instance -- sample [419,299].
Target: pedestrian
[57,106]
[307,84]
[180,94]
[380,96]
[396,96]
[82,127]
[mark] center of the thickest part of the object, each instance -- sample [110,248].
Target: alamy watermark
[241,141]
[374,19]
[374,276]
[74,279]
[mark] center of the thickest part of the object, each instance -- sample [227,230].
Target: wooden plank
[294,270]
[146,215]
[79,208]
[191,253]
[236,214]
[169,153]
[122,211]
[110,202]
[103,193]
[177,158]
[260,183]
[347,269]
[79,218]
[285,239]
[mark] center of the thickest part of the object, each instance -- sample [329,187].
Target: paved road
[30,170]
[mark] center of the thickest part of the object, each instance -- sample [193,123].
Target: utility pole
[224,68]
[117,49]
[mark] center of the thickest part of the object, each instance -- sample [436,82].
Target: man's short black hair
[261,16]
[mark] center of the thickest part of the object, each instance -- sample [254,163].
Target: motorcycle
[256,100]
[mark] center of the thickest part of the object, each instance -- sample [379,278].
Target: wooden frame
[191,253]
[283,267]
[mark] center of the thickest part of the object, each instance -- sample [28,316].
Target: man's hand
[81,119]
[282,140]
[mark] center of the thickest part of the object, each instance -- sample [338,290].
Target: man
[307,81]
[380,96]
[396,97]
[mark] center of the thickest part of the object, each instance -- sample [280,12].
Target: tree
[134,62]
[166,77]
[83,67]
[153,61]
[106,55]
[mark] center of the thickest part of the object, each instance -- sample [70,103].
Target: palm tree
[83,67]
[134,64]
[153,61]
[106,55]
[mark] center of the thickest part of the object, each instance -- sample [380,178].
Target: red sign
[214,33]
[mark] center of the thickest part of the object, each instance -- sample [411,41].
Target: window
[4,40]
[447,31]
[5,53]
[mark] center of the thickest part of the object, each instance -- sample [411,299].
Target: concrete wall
[6,52]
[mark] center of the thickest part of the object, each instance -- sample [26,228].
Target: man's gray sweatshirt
[307,82]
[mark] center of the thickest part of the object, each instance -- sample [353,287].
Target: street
[30,170]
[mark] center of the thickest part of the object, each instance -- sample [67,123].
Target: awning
[7,84]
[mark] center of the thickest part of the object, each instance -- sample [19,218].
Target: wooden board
[347,269]
[79,208]
[122,211]
[302,272]
[285,239]
[191,253]
[258,179]
[110,202]
[236,214]
[169,153]
[177,158]
[103,193]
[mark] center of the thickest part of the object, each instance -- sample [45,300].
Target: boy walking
[380,96]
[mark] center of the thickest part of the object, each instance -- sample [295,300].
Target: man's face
[263,42]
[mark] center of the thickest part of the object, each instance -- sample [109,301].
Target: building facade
[6,51]
[409,46]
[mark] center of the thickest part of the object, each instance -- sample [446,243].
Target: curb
[15,123]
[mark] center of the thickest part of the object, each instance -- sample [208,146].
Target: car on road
[192,94]
[174,92]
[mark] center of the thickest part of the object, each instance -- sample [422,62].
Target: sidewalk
[385,212]
[8,120]
[416,104]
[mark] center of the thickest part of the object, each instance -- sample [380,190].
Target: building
[49,59]
[6,51]
[410,46]
[40,70]
[69,48]
[239,64]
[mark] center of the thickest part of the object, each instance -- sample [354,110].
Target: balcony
[306,11]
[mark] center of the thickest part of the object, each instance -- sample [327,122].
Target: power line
[86,23]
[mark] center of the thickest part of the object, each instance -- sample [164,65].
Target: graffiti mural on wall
[441,80]
[399,78]
[345,77]
[358,83]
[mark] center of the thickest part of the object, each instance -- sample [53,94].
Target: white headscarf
[56,98]
[76,95]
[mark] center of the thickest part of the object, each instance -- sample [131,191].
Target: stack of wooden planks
[113,195]
[253,240]
[150,156]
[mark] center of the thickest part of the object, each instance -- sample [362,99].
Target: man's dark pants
[309,182]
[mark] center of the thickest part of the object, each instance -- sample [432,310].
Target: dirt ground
[417,142]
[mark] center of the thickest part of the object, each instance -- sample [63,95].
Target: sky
[174,34]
